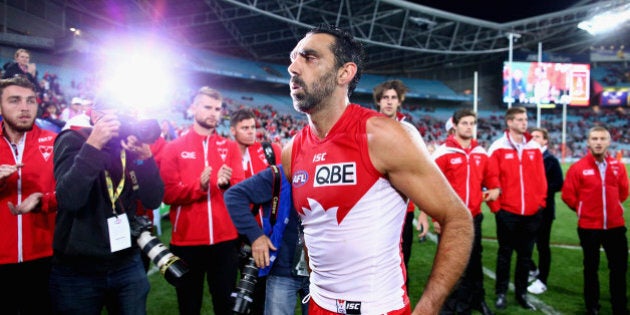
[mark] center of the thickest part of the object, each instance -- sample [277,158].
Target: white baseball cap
[449,124]
[76,100]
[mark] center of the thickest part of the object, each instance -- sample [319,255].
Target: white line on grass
[540,305]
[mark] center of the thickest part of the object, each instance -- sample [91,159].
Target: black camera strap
[276,195]
[269,155]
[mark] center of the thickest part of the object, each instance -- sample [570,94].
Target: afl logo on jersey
[338,174]
[300,178]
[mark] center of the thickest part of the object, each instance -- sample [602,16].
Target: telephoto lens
[243,296]
[171,267]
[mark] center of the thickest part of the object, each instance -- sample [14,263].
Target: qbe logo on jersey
[338,174]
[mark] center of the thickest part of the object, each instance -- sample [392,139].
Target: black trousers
[615,245]
[407,241]
[515,233]
[469,293]
[218,263]
[542,245]
[26,287]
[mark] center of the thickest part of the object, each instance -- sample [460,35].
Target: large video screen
[615,96]
[547,83]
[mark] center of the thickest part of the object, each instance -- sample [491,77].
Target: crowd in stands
[275,126]
[616,74]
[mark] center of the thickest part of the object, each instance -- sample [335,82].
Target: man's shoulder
[42,135]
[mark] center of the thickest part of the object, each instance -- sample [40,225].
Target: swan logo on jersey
[337,174]
[300,178]
[348,307]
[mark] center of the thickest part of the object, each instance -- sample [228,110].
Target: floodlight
[607,21]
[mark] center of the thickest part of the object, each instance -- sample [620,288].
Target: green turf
[564,293]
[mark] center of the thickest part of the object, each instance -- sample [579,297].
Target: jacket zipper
[208,200]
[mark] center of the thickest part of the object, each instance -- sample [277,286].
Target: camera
[243,296]
[146,130]
[171,267]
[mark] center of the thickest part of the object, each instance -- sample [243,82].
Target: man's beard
[204,124]
[307,101]
[18,128]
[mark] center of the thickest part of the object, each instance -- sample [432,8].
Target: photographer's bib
[119,232]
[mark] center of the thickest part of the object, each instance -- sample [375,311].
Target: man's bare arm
[410,169]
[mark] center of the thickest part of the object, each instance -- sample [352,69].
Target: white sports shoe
[532,276]
[537,287]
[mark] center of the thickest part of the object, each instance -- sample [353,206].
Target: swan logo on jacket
[46,151]
[531,155]
[223,153]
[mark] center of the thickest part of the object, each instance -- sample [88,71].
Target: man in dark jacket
[274,248]
[553,174]
[100,177]
[22,66]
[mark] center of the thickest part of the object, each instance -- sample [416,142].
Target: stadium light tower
[511,37]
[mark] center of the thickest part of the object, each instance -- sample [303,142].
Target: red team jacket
[28,236]
[199,217]
[522,177]
[467,170]
[584,192]
[258,160]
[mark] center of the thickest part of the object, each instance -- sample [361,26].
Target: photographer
[275,249]
[100,174]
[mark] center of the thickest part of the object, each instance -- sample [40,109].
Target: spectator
[22,66]
[197,168]
[27,201]
[100,177]
[75,109]
[518,209]
[465,165]
[595,187]
[350,168]
[553,175]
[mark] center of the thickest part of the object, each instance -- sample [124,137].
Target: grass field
[564,294]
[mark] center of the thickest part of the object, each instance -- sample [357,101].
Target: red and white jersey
[352,218]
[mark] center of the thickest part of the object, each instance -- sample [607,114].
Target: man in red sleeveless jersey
[350,168]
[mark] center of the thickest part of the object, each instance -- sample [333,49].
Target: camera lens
[171,267]
[245,288]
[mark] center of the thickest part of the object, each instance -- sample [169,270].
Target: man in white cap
[73,110]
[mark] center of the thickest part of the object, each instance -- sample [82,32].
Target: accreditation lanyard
[114,194]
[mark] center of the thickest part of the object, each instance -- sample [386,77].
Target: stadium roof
[400,36]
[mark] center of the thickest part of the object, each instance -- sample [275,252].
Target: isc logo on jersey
[337,174]
[348,307]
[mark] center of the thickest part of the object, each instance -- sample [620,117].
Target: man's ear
[346,73]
